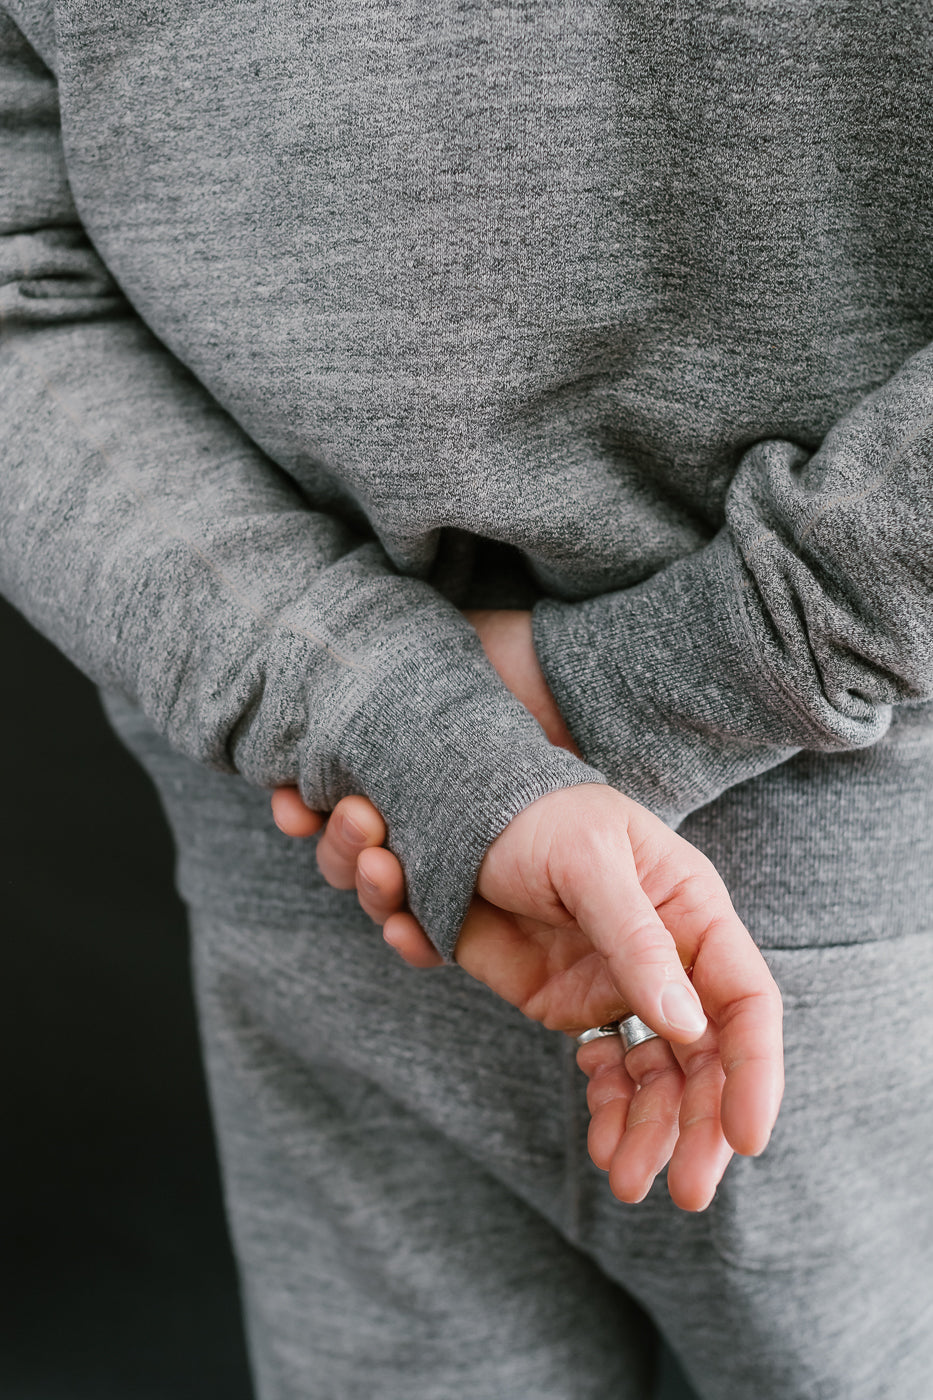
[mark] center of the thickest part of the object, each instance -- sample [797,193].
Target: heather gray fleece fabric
[404,1155]
[321,322]
[307,303]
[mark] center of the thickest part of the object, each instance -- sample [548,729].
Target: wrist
[507,640]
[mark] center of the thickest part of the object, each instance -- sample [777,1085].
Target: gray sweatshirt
[321,322]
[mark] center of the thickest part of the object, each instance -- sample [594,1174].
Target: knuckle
[648,944]
[703,1059]
[667,1076]
[605,1088]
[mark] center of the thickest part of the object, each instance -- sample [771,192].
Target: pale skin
[588,906]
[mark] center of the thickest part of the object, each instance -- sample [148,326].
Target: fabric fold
[799,626]
[150,538]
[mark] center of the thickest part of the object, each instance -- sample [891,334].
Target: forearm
[807,617]
[150,537]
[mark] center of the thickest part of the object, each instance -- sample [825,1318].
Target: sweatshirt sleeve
[804,620]
[149,537]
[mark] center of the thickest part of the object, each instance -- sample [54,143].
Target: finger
[699,1154]
[634,1101]
[734,984]
[380,883]
[597,1056]
[291,814]
[621,922]
[607,1128]
[608,1095]
[652,1125]
[749,1041]
[403,933]
[702,1152]
[353,826]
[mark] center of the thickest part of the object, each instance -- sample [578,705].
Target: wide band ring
[634,1032]
[598,1033]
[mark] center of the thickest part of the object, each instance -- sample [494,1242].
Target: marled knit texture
[639,292]
[412,1205]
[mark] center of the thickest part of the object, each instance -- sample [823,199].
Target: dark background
[116,1269]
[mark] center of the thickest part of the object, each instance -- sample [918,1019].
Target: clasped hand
[588,906]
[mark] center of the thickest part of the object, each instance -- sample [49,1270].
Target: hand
[348,853]
[636,1126]
[588,906]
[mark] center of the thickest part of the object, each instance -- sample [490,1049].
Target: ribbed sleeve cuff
[663,686]
[449,757]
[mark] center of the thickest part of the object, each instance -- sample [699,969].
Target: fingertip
[629,1182]
[363,821]
[746,1140]
[605,1132]
[750,1109]
[384,872]
[684,1017]
[692,1183]
[406,937]
[292,816]
[693,1204]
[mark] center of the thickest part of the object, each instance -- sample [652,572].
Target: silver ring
[635,1032]
[598,1033]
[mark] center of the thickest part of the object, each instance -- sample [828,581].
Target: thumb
[605,898]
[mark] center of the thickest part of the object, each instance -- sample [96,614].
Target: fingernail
[368,885]
[352,832]
[682,1011]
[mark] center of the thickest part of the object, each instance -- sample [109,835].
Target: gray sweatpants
[412,1205]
